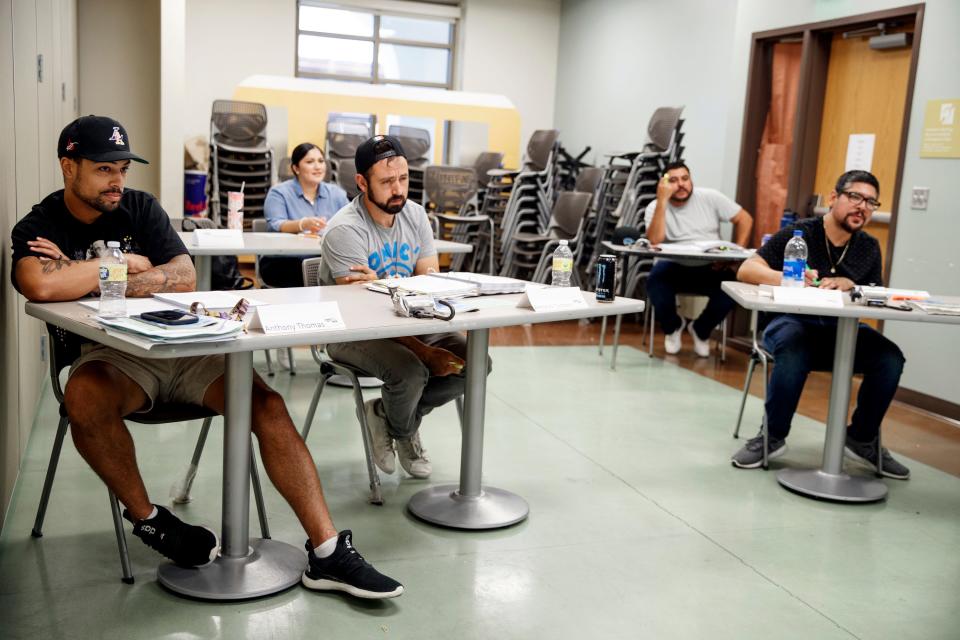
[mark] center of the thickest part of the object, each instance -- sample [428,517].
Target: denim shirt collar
[298,190]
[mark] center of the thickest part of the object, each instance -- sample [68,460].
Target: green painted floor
[639,527]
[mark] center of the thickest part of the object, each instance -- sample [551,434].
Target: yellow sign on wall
[941,129]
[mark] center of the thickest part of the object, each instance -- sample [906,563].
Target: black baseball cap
[96,138]
[372,151]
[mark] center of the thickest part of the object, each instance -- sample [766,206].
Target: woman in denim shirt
[301,204]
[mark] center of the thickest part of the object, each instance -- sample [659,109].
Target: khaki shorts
[172,380]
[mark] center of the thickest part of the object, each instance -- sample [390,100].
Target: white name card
[218,238]
[552,298]
[809,296]
[297,318]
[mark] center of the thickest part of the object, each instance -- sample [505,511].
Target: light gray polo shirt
[352,238]
[699,218]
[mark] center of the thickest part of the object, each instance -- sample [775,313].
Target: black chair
[64,350]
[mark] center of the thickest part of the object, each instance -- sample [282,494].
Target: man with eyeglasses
[841,255]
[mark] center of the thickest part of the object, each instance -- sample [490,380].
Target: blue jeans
[801,344]
[668,278]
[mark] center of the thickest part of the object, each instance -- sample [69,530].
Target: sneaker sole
[322,584]
[850,453]
[759,463]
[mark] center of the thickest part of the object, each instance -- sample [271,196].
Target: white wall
[621,59]
[509,47]
[32,112]
[119,73]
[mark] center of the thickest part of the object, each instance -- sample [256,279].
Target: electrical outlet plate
[919,197]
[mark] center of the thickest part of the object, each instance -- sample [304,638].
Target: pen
[815,282]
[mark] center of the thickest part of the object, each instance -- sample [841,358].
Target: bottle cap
[113,244]
[797,233]
[563,242]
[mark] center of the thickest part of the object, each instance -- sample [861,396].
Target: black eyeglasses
[858,198]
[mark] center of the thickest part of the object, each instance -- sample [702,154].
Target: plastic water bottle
[113,282]
[794,261]
[562,265]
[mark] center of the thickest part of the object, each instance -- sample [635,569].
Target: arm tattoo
[176,275]
[50,266]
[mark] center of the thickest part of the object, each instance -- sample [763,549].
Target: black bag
[225,274]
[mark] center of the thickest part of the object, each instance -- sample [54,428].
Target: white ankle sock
[326,548]
[153,514]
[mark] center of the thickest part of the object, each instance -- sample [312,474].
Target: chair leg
[746,392]
[616,343]
[181,491]
[293,363]
[324,376]
[653,324]
[376,497]
[121,538]
[269,363]
[723,341]
[763,425]
[603,335]
[48,481]
[258,495]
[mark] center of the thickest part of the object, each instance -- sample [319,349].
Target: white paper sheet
[860,151]
[809,297]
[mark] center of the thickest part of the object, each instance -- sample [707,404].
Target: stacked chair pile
[239,157]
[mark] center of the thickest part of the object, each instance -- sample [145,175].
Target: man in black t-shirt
[840,256]
[56,257]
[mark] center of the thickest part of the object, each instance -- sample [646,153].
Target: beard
[678,199]
[851,227]
[99,203]
[393,206]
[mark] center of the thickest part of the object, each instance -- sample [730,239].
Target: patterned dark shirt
[861,263]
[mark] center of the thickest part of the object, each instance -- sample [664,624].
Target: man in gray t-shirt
[680,214]
[378,235]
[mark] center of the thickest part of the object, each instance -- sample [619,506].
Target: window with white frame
[354,42]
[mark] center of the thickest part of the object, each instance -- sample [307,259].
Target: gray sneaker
[751,455]
[413,457]
[866,452]
[383,451]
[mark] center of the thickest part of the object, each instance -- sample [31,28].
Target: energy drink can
[606,284]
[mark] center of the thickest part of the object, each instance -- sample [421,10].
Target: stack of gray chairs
[344,134]
[239,156]
[451,193]
[416,146]
[522,200]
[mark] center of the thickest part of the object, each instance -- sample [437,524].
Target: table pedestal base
[829,486]
[271,567]
[492,509]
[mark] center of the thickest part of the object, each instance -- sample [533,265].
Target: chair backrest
[485,162]
[449,188]
[284,170]
[415,142]
[662,124]
[258,224]
[64,350]
[588,180]
[347,177]
[568,212]
[540,147]
[237,122]
[190,224]
[311,272]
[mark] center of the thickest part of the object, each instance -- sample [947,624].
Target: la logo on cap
[117,137]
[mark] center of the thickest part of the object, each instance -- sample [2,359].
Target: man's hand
[137,263]
[666,189]
[843,284]
[46,248]
[362,273]
[810,278]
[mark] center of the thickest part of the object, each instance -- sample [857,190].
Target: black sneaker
[866,452]
[751,455]
[186,544]
[346,570]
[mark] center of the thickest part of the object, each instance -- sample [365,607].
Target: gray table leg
[470,505]
[830,482]
[204,267]
[246,568]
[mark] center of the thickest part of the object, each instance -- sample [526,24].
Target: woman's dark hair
[300,152]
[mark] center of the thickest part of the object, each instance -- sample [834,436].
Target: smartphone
[169,317]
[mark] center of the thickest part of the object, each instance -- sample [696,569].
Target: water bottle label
[563,264]
[793,270]
[113,273]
